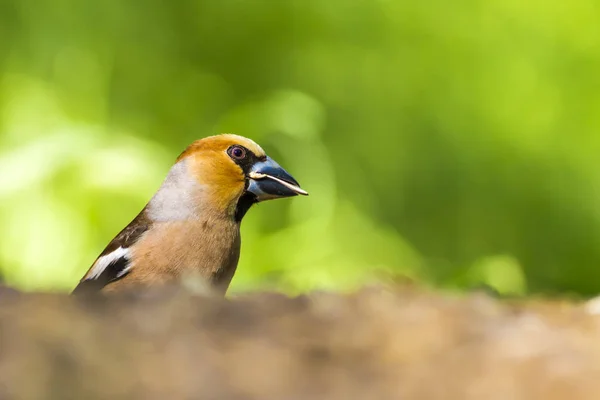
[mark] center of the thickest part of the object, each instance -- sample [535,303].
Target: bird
[191,225]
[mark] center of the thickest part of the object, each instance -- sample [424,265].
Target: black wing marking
[118,267]
[130,234]
[112,272]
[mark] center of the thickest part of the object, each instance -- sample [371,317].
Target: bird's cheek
[226,197]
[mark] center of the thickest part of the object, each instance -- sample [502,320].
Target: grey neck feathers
[178,197]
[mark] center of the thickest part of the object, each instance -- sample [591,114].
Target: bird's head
[225,174]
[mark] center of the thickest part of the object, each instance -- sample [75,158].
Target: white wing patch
[108,259]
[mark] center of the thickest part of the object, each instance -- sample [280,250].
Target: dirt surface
[375,344]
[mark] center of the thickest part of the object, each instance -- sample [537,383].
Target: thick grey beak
[269,181]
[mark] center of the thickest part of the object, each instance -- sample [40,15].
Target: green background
[455,143]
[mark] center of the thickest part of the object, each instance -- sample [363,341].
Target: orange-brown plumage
[220,142]
[227,179]
[191,225]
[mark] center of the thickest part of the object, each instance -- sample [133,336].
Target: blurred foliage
[452,142]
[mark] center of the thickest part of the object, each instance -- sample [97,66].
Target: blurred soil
[375,344]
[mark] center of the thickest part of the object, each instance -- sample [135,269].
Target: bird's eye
[237,152]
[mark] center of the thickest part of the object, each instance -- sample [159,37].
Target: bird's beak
[269,181]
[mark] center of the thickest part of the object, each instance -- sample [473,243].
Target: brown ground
[376,344]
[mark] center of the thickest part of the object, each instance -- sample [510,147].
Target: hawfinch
[192,224]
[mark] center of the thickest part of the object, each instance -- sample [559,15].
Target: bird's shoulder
[114,261]
[129,235]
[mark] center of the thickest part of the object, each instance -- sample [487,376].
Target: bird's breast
[172,249]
